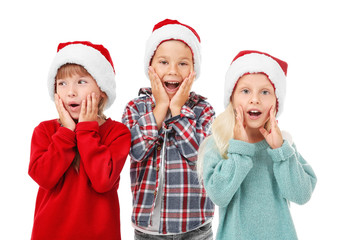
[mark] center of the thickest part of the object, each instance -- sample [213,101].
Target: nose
[72,91]
[173,69]
[254,99]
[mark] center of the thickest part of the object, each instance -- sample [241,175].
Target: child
[77,159]
[249,171]
[167,123]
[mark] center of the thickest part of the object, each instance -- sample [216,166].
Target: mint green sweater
[253,186]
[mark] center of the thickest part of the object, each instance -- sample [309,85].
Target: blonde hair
[69,70]
[222,132]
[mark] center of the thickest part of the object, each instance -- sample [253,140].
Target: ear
[103,97]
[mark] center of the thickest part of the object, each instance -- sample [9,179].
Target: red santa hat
[247,62]
[173,30]
[94,58]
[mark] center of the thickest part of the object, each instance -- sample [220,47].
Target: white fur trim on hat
[93,61]
[256,63]
[175,32]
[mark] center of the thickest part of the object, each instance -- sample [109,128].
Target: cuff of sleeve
[87,126]
[172,120]
[240,147]
[148,125]
[283,153]
[187,112]
[67,134]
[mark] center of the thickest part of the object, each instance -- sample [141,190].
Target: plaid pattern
[185,205]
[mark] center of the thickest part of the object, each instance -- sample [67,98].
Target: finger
[151,76]
[89,104]
[183,86]
[188,82]
[56,101]
[263,131]
[241,115]
[61,108]
[272,114]
[94,103]
[83,108]
[274,122]
[155,80]
[237,112]
[151,70]
[192,77]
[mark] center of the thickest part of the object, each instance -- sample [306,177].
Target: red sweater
[78,205]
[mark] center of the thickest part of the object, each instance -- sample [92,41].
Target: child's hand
[274,137]
[239,132]
[64,116]
[89,109]
[158,91]
[182,94]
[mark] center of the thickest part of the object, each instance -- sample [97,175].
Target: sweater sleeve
[51,154]
[223,177]
[103,163]
[295,177]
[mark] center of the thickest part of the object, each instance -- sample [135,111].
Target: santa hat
[94,58]
[257,62]
[173,30]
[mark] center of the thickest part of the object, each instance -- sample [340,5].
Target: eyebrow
[243,85]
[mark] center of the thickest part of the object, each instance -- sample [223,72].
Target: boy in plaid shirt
[168,123]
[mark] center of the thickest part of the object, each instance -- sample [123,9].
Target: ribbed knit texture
[253,186]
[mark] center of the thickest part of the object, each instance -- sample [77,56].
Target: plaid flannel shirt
[185,205]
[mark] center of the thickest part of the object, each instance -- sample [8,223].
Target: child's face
[255,93]
[72,90]
[173,63]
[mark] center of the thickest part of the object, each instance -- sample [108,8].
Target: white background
[310,35]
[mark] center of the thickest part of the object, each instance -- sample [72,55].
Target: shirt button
[157,169]
[159,147]
[152,105]
[155,193]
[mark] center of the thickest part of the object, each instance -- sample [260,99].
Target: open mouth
[74,105]
[172,85]
[254,113]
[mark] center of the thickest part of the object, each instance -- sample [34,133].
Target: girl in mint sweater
[251,169]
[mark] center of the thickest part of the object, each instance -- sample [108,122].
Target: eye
[245,91]
[61,83]
[82,81]
[163,62]
[183,64]
[265,92]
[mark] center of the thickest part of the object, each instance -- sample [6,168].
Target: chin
[171,95]
[256,125]
[75,117]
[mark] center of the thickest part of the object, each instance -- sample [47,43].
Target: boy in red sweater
[77,159]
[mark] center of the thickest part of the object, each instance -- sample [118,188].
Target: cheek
[185,71]
[238,101]
[272,102]
[160,70]
[60,92]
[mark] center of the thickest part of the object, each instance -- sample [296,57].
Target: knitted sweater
[253,186]
[78,205]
